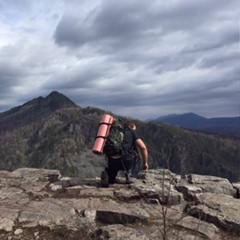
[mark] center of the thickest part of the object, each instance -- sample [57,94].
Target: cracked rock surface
[40,204]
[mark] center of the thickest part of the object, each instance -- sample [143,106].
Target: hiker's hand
[145,167]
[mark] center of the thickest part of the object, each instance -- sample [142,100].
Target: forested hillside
[55,133]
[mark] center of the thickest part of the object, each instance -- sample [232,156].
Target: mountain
[193,121]
[34,110]
[55,133]
[183,120]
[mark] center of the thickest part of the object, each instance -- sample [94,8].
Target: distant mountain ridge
[226,125]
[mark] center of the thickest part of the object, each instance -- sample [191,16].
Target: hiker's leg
[128,165]
[112,176]
[112,169]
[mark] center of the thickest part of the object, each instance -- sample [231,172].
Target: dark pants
[119,164]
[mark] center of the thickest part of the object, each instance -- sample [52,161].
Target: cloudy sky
[138,58]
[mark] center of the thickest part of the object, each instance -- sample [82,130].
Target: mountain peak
[182,117]
[191,117]
[57,100]
[55,94]
[35,109]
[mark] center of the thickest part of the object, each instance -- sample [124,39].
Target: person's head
[130,125]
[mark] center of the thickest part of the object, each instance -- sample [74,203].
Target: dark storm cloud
[113,21]
[220,60]
[86,79]
[128,20]
[126,31]
[10,74]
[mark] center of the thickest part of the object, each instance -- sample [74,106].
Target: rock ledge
[40,204]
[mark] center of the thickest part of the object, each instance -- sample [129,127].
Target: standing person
[125,160]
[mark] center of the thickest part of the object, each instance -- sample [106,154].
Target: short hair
[130,124]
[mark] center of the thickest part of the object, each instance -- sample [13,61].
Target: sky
[138,58]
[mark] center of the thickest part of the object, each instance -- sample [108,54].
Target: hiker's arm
[144,153]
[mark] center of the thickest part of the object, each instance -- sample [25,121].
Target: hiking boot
[128,178]
[104,179]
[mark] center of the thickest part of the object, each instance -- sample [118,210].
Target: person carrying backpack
[125,160]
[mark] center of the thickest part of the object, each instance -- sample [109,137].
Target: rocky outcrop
[40,204]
